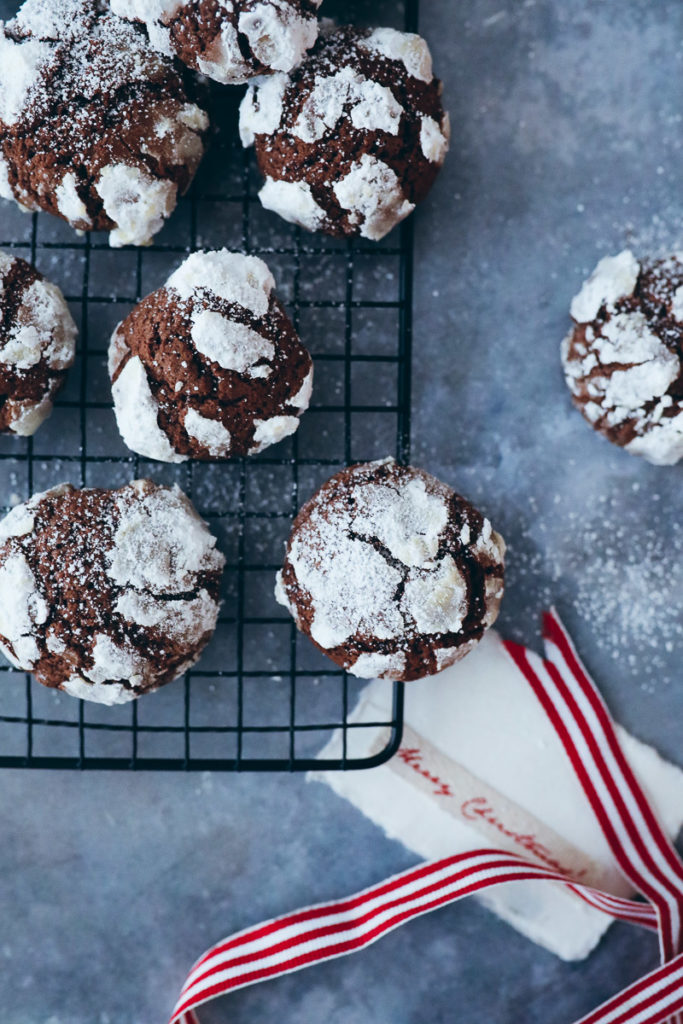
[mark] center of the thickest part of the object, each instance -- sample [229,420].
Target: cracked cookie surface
[209,366]
[390,573]
[95,126]
[623,361]
[37,345]
[107,594]
[230,41]
[352,139]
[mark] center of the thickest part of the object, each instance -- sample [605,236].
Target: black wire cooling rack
[261,698]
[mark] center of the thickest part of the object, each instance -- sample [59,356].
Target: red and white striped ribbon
[638,842]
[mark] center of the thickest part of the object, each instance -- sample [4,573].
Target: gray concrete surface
[566,146]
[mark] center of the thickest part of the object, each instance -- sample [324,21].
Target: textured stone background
[566,146]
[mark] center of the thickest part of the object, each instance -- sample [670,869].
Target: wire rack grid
[261,698]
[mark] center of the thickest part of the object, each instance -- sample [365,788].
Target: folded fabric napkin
[480,765]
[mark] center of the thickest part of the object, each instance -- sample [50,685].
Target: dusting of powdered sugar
[293,201]
[379,666]
[262,108]
[42,329]
[222,59]
[276,34]
[434,138]
[373,567]
[408,48]
[370,106]
[210,433]
[245,280]
[68,56]
[188,619]
[22,608]
[23,64]
[611,558]
[137,414]
[109,694]
[272,431]
[302,398]
[373,197]
[614,278]
[160,544]
[621,374]
[70,204]
[158,553]
[136,202]
[233,345]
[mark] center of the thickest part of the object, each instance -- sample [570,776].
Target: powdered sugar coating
[228,40]
[23,65]
[336,138]
[129,604]
[22,608]
[211,434]
[369,105]
[272,431]
[210,365]
[87,92]
[228,275]
[37,345]
[624,362]
[70,204]
[232,345]
[407,47]
[160,544]
[434,138]
[379,666]
[614,278]
[109,694]
[137,414]
[136,202]
[261,108]
[378,575]
[371,193]
[294,202]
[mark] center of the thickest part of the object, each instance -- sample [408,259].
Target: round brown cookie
[390,573]
[209,366]
[623,360]
[230,41]
[95,127]
[107,594]
[37,345]
[352,139]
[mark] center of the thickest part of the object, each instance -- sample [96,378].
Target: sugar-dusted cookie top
[107,594]
[209,366]
[390,573]
[352,139]
[96,127]
[230,41]
[623,360]
[37,345]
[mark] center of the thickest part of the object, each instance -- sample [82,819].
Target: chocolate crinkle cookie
[623,360]
[353,138]
[390,573]
[37,345]
[107,594]
[209,366]
[95,127]
[230,41]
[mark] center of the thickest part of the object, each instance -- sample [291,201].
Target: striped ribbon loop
[640,846]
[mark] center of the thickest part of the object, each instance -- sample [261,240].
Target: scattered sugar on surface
[618,572]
